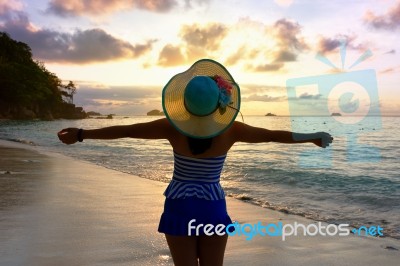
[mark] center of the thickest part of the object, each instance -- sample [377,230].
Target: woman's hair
[198,146]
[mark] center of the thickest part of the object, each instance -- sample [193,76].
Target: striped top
[196,178]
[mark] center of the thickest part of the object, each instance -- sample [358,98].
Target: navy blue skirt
[179,212]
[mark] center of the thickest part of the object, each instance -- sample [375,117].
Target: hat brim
[192,125]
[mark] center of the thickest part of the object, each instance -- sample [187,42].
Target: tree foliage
[28,89]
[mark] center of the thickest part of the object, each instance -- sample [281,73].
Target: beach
[56,210]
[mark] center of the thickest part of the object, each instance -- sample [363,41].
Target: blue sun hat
[203,101]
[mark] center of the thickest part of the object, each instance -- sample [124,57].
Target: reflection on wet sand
[56,211]
[20,172]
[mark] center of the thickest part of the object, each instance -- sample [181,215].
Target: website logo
[284,231]
[348,99]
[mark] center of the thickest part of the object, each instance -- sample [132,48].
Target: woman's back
[220,144]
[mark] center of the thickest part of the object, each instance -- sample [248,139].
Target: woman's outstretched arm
[250,134]
[158,129]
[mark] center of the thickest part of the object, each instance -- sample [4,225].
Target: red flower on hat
[223,84]
[225,93]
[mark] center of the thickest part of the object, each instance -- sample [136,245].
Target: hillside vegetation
[28,90]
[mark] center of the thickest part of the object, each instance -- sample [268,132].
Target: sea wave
[267,174]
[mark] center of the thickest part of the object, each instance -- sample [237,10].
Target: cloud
[171,56]
[118,93]
[191,3]
[305,95]
[207,36]
[270,48]
[393,51]
[390,70]
[388,21]
[287,33]
[387,70]
[10,5]
[117,99]
[285,56]
[102,102]
[266,67]
[248,89]
[308,104]
[202,40]
[67,8]
[264,98]
[284,3]
[236,56]
[288,43]
[328,44]
[81,46]
[197,41]
[262,93]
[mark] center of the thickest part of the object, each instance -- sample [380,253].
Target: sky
[121,53]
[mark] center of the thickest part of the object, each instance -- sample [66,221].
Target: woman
[200,105]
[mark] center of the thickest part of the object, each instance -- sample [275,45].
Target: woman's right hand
[322,139]
[68,135]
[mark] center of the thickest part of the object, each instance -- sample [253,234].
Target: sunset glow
[120,54]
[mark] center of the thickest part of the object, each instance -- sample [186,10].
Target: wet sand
[55,210]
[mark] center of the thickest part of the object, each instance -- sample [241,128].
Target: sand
[55,210]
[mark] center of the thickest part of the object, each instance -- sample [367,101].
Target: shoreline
[61,210]
[389,232]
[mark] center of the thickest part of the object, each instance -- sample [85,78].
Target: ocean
[355,181]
